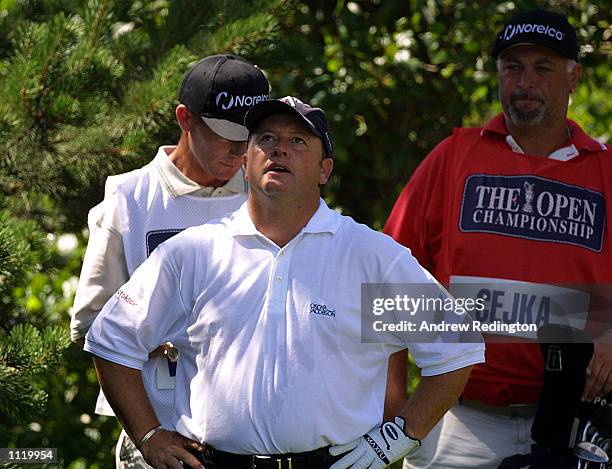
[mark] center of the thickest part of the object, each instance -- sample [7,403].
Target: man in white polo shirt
[265,307]
[184,185]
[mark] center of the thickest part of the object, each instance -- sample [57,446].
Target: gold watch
[171,352]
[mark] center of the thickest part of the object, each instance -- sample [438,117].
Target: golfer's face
[284,157]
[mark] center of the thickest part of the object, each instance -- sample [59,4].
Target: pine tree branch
[47,64]
[102,10]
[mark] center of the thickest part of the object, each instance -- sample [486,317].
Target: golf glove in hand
[376,449]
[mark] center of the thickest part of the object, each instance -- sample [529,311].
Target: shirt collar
[178,184]
[579,140]
[324,220]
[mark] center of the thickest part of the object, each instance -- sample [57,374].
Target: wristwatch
[171,352]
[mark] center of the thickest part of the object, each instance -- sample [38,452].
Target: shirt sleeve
[104,267]
[433,353]
[416,218]
[143,313]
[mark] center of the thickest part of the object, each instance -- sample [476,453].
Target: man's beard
[526,117]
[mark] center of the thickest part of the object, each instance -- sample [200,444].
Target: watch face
[171,352]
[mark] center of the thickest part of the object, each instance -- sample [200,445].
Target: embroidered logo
[377,449]
[322,310]
[227,101]
[526,28]
[534,208]
[125,297]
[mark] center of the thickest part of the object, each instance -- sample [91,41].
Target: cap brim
[227,129]
[519,44]
[268,108]
[527,43]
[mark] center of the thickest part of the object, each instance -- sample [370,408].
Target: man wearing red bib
[517,208]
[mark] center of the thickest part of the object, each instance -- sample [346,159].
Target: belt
[216,459]
[512,410]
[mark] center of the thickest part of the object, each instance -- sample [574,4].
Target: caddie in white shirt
[196,180]
[265,308]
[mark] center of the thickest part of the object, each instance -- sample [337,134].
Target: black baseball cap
[221,89]
[313,117]
[545,28]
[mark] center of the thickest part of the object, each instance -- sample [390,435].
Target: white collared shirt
[104,266]
[260,371]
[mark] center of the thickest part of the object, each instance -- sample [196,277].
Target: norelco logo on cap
[512,30]
[227,101]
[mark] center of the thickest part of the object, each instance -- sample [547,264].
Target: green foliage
[15,257]
[24,353]
[49,86]
[396,77]
[22,249]
[85,440]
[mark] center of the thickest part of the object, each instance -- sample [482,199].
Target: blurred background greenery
[88,89]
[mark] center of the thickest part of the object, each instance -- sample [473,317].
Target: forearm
[127,396]
[104,271]
[124,389]
[432,398]
[599,369]
[395,396]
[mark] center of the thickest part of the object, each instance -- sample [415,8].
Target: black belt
[216,459]
[512,410]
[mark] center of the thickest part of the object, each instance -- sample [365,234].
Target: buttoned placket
[278,283]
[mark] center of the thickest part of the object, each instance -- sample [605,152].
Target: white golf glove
[376,449]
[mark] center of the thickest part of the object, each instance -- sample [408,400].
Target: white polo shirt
[105,267]
[140,209]
[259,372]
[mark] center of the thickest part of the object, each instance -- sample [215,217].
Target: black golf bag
[561,417]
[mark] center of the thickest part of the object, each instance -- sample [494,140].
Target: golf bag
[560,416]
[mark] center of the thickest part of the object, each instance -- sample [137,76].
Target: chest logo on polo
[533,207]
[322,310]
